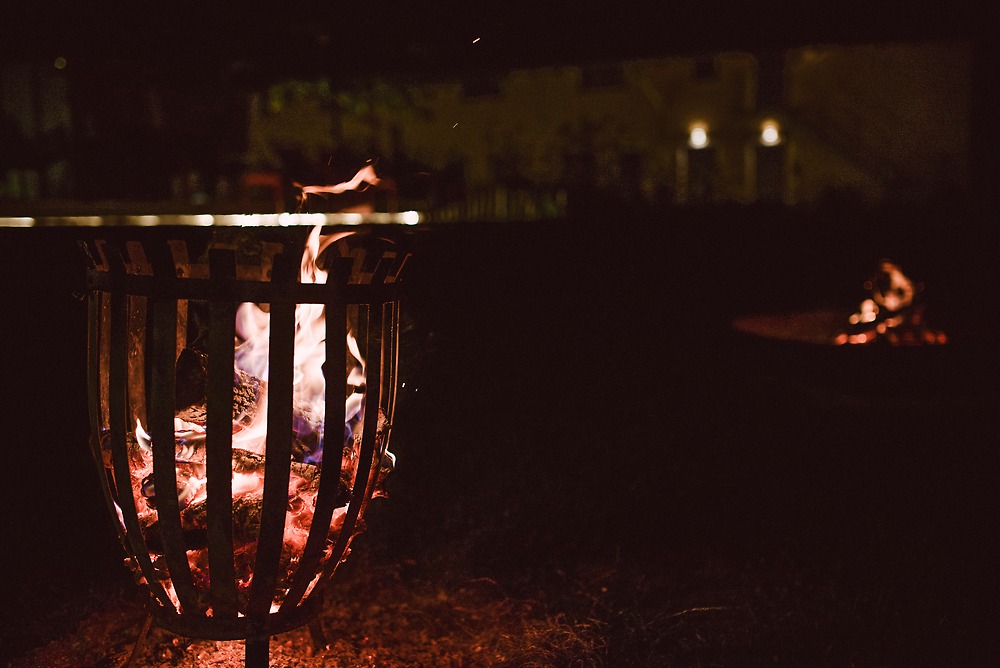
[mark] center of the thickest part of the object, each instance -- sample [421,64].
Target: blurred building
[35,131]
[799,127]
[75,131]
[804,126]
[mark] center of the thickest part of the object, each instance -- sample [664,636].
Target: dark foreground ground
[594,468]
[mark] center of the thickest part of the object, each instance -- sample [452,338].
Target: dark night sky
[429,39]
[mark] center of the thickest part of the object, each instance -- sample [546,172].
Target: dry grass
[739,604]
[377,616]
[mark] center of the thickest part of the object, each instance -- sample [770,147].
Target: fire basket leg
[138,642]
[257,652]
[320,643]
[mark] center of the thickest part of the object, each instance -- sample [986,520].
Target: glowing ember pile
[892,314]
[249,429]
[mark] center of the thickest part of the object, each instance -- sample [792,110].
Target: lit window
[770,133]
[698,136]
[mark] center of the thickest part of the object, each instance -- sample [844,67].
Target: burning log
[246,517]
[304,480]
[304,477]
[191,390]
[188,476]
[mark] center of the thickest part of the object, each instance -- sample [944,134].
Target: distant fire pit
[893,314]
[241,393]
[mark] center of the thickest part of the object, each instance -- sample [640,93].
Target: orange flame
[365,177]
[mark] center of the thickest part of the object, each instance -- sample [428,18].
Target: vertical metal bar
[382,268]
[143,631]
[387,261]
[96,305]
[393,379]
[333,436]
[118,409]
[365,458]
[277,462]
[397,319]
[401,259]
[319,640]
[386,389]
[257,652]
[219,441]
[104,359]
[136,350]
[182,325]
[161,423]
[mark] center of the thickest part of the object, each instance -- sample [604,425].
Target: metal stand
[143,292]
[257,652]
[139,641]
[320,643]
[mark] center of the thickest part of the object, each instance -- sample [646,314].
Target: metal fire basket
[154,298]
